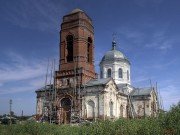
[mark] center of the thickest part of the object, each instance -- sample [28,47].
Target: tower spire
[113,45]
[114,42]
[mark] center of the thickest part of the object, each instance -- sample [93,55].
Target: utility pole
[10,103]
[22,113]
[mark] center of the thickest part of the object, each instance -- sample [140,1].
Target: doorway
[66,110]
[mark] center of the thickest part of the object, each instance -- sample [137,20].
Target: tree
[12,113]
[172,118]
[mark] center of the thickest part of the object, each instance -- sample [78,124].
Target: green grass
[165,124]
[147,126]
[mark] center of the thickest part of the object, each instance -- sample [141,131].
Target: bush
[166,123]
[172,119]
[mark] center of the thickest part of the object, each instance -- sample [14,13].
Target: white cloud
[148,37]
[41,14]
[31,72]
[12,90]
[169,92]
[139,79]
[160,41]
[19,69]
[159,65]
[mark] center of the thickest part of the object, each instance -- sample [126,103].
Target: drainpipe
[104,105]
[98,102]
[144,110]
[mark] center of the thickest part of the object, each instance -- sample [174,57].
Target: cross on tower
[114,35]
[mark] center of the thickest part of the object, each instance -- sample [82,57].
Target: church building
[77,93]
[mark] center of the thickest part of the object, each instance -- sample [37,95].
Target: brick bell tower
[76,65]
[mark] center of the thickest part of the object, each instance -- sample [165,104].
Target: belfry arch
[89,50]
[69,42]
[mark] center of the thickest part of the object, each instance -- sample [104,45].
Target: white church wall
[39,106]
[141,106]
[114,66]
[123,103]
[94,94]
[101,105]
[145,105]
[153,104]
[91,97]
[124,66]
[111,101]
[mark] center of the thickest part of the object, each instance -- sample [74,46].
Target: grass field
[148,126]
[165,124]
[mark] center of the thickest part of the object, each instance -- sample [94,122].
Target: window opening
[89,49]
[109,73]
[69,48]
[120,73]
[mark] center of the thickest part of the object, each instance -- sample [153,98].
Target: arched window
[69,40]
[109,73]
[120,73]
[111,109]
[127,74]
[89,56]
[90,109]
[65,102]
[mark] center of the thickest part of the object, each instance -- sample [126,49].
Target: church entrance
[66,110]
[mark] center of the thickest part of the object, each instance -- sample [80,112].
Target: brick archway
[66,109]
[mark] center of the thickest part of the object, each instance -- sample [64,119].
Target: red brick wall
[79,25]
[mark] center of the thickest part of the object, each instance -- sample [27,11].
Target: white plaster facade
[115,66]
[116,61]
[117,97]
[106,101]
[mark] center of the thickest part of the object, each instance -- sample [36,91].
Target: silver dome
[114,55]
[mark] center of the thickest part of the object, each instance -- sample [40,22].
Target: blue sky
[147,32]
